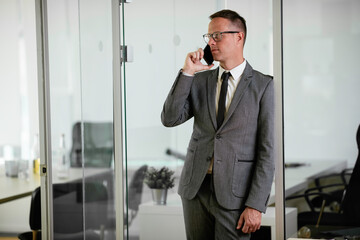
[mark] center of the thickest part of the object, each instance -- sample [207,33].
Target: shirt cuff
[186,74]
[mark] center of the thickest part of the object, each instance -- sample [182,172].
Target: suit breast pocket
[187,170]
[243,171]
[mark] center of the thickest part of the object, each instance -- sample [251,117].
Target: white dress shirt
[234,80]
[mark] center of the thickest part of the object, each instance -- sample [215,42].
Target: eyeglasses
[216,36]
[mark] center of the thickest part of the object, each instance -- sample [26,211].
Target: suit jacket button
[218,136]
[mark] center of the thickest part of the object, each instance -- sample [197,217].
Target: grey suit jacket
[242,147]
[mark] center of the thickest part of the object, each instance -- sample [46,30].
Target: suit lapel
[239,92]
[211,88]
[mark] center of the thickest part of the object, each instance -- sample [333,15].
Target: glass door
[82,49]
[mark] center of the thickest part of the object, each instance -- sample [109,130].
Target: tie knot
[225,76]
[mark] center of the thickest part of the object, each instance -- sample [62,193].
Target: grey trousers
[205,219]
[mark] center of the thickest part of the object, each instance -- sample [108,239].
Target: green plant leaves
[162,178]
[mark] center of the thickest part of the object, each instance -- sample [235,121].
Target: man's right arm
[177,107]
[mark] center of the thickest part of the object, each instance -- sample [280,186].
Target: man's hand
[192,62]
[251,218]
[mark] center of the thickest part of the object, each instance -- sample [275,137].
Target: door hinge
[127,53]
[125,1]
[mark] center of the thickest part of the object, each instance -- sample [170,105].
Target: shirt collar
[236,72]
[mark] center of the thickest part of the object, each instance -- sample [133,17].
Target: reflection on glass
[98,144]
[70,200]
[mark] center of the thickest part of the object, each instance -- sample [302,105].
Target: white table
[166,222]
[15,188]
[314,168]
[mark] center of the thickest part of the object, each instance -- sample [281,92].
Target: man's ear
[241,37]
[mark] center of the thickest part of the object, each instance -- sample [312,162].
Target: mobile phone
[208,57]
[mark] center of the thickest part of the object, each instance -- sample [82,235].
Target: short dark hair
[234,18]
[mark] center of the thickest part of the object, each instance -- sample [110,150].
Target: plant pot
[159,196]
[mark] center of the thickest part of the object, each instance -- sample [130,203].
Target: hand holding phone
[208,57]
[193,62]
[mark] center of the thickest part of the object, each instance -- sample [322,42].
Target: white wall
[18,79]
[258,46]
[321,79]
[161,38]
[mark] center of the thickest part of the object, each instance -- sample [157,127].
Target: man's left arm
[256,203]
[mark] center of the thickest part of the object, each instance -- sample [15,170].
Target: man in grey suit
[229,167]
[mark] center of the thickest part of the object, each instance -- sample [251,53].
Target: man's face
[225,49]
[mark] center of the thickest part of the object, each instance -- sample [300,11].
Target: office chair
[349,214]
[98,144]
[135,190]
[69,200]
[335,193]
[34,218]
[135,193]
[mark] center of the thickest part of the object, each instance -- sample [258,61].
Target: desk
[298,178]
[315,168]
[166,222]
[15,188]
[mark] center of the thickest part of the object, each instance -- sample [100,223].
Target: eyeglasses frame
[208,35]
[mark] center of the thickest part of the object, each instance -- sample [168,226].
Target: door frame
[44,119]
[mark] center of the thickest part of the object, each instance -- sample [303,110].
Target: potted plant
[159,181]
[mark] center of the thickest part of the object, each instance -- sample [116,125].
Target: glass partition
[321,100]
[80,62]
[159,41]
[96,56]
